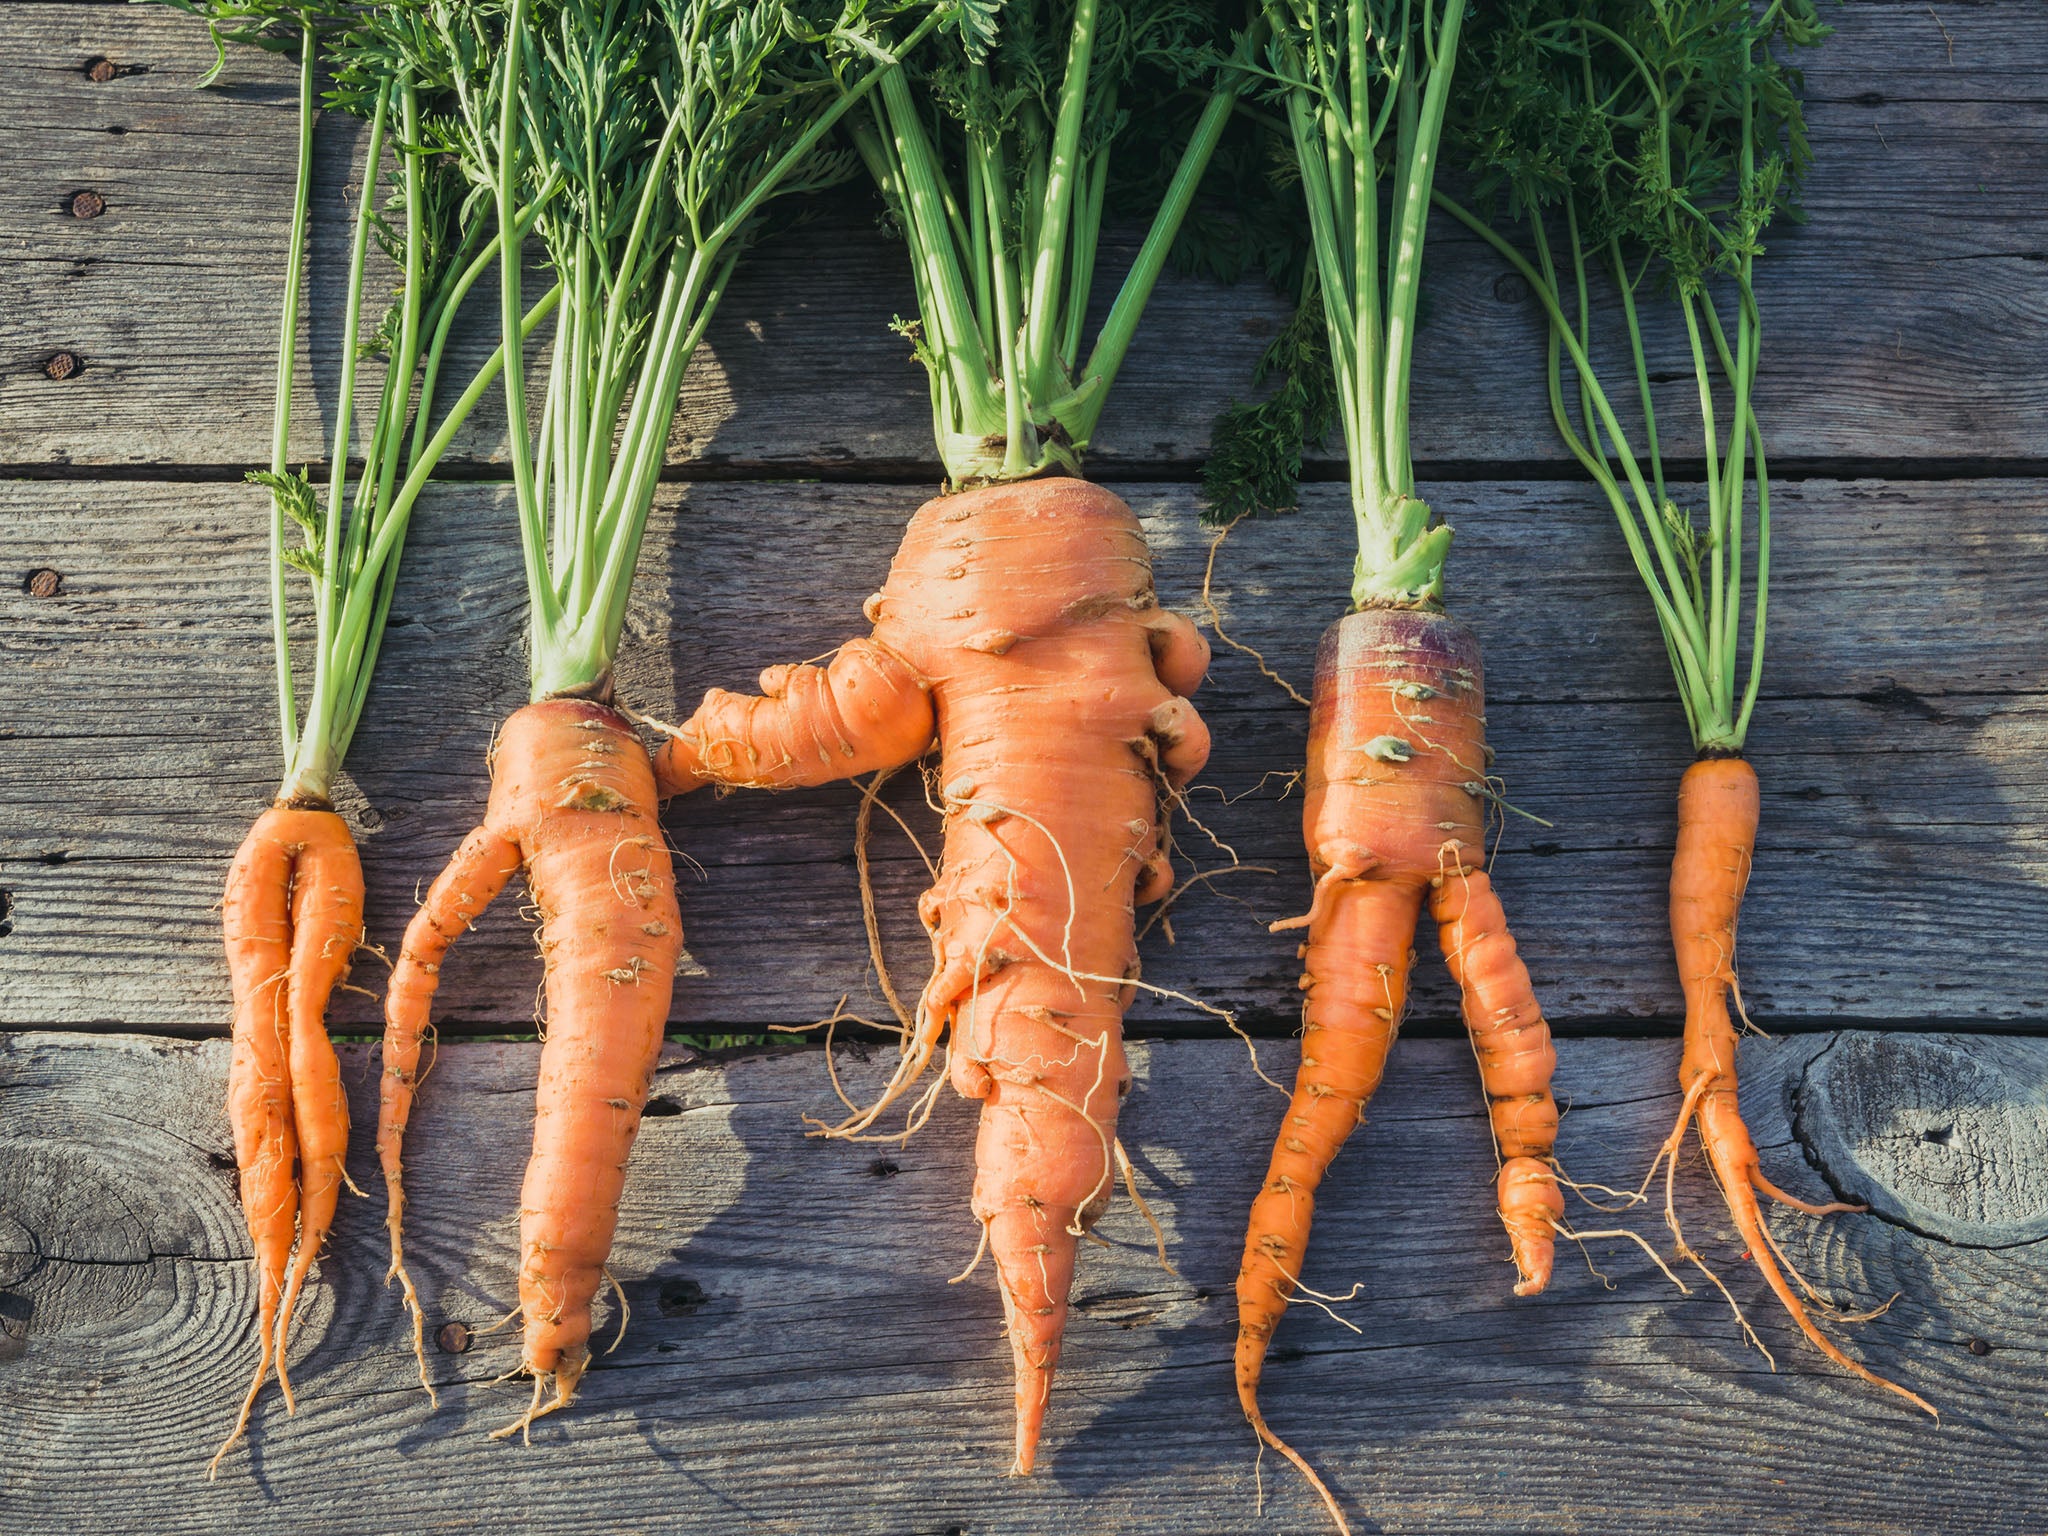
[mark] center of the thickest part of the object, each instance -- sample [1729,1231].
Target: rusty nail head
[43,583]
[453,1338]
[100,71]
[1979,1347]
[87,205]
[62,365]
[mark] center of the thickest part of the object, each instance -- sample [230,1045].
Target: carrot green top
[1362,88]
[994,149]
[667,126]
[1655,142]
[350,557]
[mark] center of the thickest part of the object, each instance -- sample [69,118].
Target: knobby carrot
[1021,622]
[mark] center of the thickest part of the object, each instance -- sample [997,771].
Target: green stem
[532,519]
[1113,341]
[1405,291]
[281,421]
[1041,310]
[1679,622]
[393,529]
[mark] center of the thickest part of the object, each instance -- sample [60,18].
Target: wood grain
[1902,320]
[1901,754]
[796,1361]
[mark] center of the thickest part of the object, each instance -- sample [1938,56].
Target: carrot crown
[348,548]
[993,151]
[667,128]
[1649,147]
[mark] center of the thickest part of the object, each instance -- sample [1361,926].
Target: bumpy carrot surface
[572,803]
[1019,623]
[1718,811]
[292,919]
[1394,820]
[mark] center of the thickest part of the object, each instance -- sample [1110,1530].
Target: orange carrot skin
[292,919]
[1393,819]
[1719,808]
[573,803]
[1019,622]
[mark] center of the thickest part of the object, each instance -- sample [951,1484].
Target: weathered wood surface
[1902,877]
[1903,321]
[796,1361]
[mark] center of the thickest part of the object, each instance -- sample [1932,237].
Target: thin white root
[1216,619]
[1123,1163]
[974,1263]
[1656,1258]
[625,1308]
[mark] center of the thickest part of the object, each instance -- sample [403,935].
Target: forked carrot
[293,915]
[1394,819]
[1398,774]
[1718,812]
[572,803]
[293,919]
[708,109]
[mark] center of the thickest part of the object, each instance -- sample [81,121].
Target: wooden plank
[796,1361]
[1902,320]
[1900,744]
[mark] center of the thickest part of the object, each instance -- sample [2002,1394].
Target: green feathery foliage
[996,151]
[348,548]
[1651,143]
[652,137]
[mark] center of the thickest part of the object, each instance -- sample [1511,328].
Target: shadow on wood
[796,1360]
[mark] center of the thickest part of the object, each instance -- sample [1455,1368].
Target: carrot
[1020,620]
[1394,820]
[1718,812]
[293,915]
[573,805]
[293,918]
[1398,778]
[1682,214]
[1019,623]
[708,108]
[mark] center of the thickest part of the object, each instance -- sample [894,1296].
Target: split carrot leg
[1718,812]
[573,803]
[1020,625]
[292,920]
[1358,957]
[457,898]
[1516,1059]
